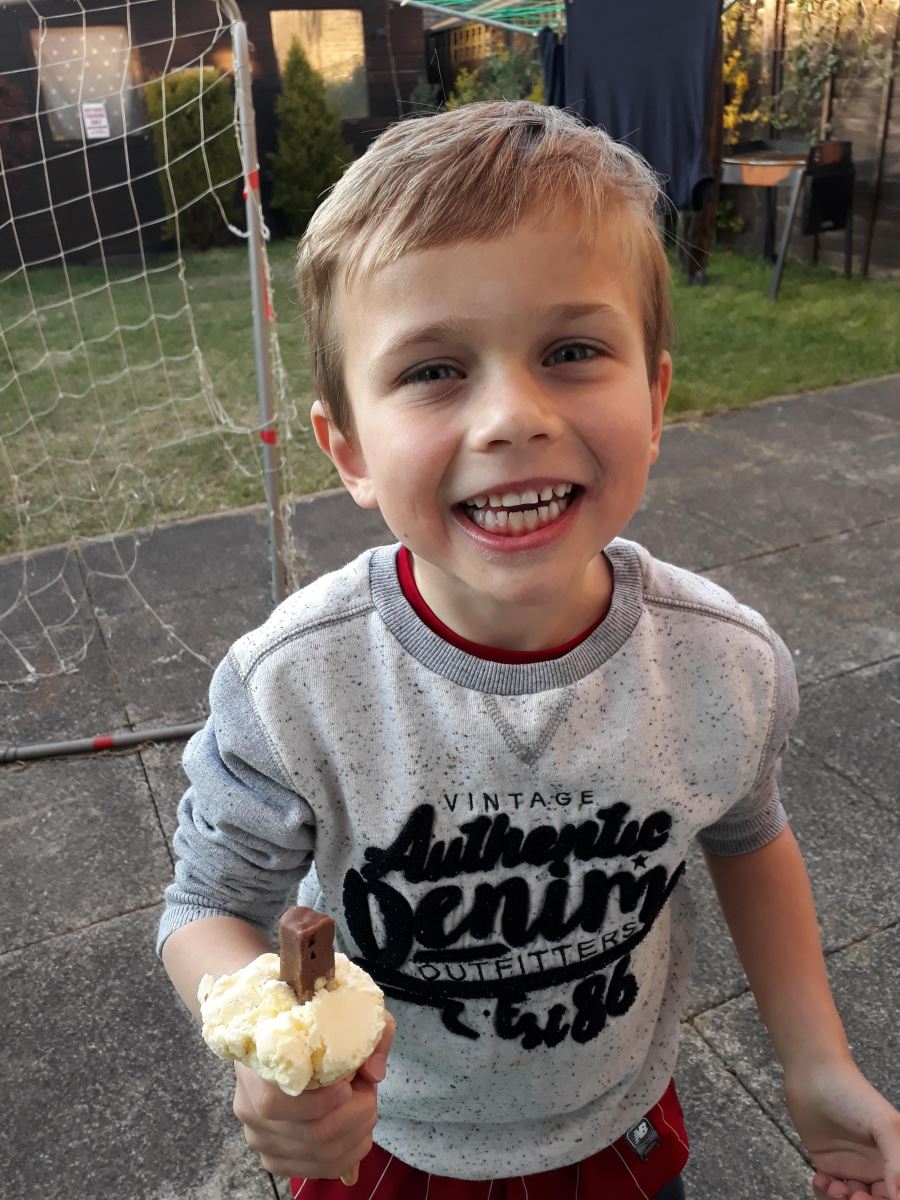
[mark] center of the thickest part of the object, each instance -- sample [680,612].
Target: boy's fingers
[374,1068]
[272,1104]
[308,1106]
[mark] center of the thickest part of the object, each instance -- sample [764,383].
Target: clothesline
[517,18]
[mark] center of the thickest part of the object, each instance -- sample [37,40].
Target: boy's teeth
[518,499]
[518,522]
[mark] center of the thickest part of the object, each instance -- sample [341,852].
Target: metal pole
[262,310]
[465,17]
[884,125]
[106,741]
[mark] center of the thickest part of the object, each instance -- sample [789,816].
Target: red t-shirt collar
[411,591]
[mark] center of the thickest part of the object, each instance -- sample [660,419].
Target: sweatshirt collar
[510,679]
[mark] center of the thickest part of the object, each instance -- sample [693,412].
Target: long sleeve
[245,838]
[759,816]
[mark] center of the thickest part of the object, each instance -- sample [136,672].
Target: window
[332,41]
[88,77]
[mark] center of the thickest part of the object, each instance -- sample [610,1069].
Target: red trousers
[615,1173]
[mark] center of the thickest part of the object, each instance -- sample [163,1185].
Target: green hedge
[198,158]
[310,155]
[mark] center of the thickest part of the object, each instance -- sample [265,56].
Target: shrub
[310,155]
[197,141]
[506,75]
[425,98]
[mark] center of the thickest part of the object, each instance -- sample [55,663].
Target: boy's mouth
[515,514]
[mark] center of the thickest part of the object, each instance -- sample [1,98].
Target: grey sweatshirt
[501,846]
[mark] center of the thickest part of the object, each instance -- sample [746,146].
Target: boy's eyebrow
[436,331]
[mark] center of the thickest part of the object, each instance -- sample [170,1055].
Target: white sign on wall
[96,122]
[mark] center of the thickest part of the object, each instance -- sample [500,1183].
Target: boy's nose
[513,410]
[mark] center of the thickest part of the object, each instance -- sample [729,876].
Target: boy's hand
[322,1134]
[851,1132]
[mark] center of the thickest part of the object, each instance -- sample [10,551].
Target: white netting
[123,389]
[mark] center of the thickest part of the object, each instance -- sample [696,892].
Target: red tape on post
[252,182]
[102,743]
[269,436]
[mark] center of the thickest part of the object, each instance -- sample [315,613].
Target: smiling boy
[487,750]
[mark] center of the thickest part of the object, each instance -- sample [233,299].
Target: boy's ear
[345,455]
[659,394]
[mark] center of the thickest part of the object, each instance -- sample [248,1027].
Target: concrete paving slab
[676,534]
[780,496]
[853,724]
[849,845]
[48,583]
[162,675]
[165,774]
[818,430]
[330,529]
[736,1149]
[868,395]
[81,703]
[835,602]
[82,843]
[191,558]
[115,1093]
[864,983]
[46,613]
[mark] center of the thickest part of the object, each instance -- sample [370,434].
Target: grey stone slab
[817,430]
[45,615]
[200,558]
[736,1149]
[674,533]
[845,837]
[48,583]
[835,602]
[115,1093]
[81,702]
[330,529]
[783,471]
[81,843]
[165,774]
[164,676]
[864,984]
[853,724]
[881,396]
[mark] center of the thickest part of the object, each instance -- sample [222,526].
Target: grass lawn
[89,447]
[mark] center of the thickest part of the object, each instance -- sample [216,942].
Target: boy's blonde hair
[471,174]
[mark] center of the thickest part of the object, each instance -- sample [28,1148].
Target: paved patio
[793,505]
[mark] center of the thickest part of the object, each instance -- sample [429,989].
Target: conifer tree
[309,155]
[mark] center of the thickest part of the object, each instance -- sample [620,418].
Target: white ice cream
[254,1017]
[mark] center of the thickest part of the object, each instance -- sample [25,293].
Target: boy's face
[504,422]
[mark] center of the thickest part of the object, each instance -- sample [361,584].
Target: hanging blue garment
[552,55]
[642,70]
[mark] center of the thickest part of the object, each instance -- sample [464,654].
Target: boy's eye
[574,352]
[429,373]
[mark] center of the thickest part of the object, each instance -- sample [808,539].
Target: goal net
[127,389]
